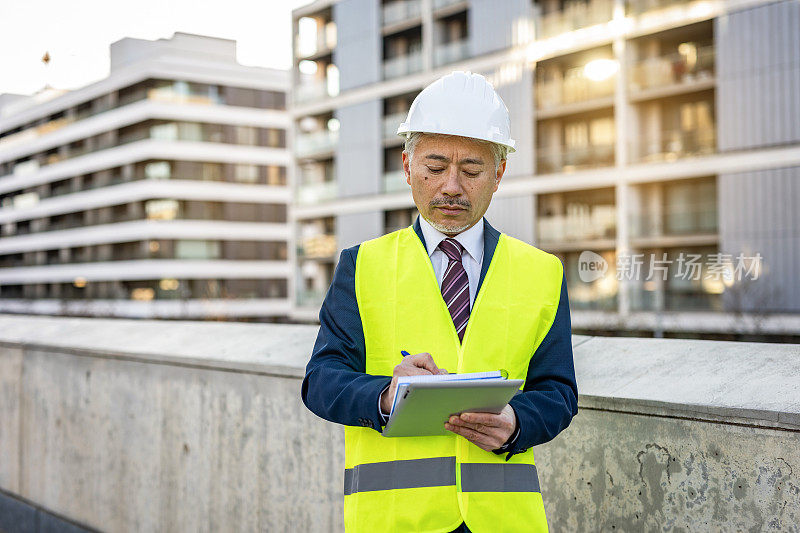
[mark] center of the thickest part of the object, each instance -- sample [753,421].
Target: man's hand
[411,365]
[486,430]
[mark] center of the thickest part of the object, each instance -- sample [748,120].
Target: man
[460,297]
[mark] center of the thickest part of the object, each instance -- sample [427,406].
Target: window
[212,172]
[246,135]
[276,175]
[161,209]
[197,250]
[164,132]
[157,170]
[246,173]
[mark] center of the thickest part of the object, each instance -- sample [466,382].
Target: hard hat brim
[404,132]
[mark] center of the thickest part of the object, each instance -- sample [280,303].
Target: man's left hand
[486,430]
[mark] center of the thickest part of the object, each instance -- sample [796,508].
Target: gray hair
[499,151]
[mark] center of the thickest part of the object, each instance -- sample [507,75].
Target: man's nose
[452,185]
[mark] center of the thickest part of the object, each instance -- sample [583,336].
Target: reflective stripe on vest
[439,472]
[436,483]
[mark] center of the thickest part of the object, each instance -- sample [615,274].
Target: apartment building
[160,191]
[648,131]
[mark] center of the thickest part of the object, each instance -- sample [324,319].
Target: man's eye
[471,174]
[435,170]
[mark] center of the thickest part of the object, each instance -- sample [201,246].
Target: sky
[77,34]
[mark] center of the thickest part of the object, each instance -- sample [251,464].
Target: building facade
[658,147]
[160,191]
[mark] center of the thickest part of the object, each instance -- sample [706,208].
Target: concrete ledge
[743,383]
[695,379]
[273,349]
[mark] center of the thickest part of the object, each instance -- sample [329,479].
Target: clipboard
[423,408]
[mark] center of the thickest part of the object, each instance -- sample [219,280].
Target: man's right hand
[411,365]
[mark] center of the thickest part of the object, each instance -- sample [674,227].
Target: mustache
[450,202]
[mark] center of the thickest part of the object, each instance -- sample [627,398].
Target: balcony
[573,89]
[451,52]
[317,247]
[314,193]
[676,144]
[402,65]
[306,92]
[180,94]
[568,159]
[597,223]
[693,220]
[322,45]
[391,123]
[676,294]
[638,7]
[676,69]
[395,181]
[574,16]
[310,298]
[316,143]
[401,11]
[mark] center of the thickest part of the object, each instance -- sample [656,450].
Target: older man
[460,296]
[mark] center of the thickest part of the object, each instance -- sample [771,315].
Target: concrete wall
[128,425]
[358,42]
[494,25]
[359,152]
[355,228]
[513,215]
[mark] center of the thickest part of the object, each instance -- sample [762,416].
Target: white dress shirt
[471,255]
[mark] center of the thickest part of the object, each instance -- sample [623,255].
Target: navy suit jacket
[337,388]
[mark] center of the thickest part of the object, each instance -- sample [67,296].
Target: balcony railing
[395,181]
[675,144]
[318,142]
[310,298]
[324,43]
[574,16]
[307,92]
[572,90]
[451,52]
[438,4]
[638,7]
[693,219]
[313,193]
[557,160]
[402,65]
[400,11]
[317,247]
[391,123]
[599,223]
[172,95]
[673,69]
[644,297]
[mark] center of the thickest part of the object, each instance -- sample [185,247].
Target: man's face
[452,181]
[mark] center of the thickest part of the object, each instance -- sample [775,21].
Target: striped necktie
[455,286]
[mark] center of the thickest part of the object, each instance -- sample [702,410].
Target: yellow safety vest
[435,483]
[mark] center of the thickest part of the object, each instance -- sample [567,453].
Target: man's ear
[501,169]
[407,167]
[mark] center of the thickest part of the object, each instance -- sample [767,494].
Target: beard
[452,203]
[449,229]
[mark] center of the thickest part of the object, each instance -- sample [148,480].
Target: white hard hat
[461,103]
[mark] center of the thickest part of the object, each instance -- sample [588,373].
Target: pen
[405,353]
